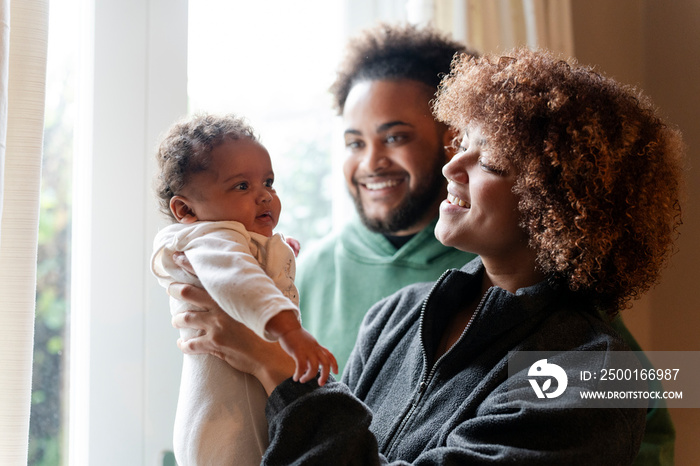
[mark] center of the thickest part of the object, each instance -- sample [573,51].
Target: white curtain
[499,25]
[23,42]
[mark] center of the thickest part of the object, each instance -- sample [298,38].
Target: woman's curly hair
[394,52]
[185,151]
[599,172]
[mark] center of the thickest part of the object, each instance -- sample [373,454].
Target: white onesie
[220,415]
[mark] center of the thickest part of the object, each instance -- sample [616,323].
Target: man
[395,151]
[394,154]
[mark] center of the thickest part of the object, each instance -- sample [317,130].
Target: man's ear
[450,139]
[182,210]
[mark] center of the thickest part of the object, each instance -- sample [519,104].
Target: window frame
[125,366]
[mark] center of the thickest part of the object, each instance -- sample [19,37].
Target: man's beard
[413,208]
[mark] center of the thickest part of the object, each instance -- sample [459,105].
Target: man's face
[395,153]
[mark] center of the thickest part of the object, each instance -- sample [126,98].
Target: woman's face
[480,213]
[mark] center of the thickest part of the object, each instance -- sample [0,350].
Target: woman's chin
[451,237]
[442,233]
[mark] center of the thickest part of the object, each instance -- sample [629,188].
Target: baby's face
[238,187]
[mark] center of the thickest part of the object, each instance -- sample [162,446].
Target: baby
[216,183]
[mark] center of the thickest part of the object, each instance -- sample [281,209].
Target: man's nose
[376,159]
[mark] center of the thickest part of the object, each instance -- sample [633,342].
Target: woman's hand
[294,244]
[228,339]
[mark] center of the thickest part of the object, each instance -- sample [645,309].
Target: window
[272,63]
[48,420]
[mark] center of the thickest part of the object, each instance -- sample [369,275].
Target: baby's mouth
[454,200]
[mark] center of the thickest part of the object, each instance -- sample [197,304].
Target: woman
[566,186]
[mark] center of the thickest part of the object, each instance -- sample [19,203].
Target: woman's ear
[181,209]
[450,139]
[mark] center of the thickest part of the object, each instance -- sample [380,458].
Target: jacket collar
[500,311]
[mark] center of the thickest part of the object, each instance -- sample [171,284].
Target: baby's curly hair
[599,173]
[394,52]
[185,151]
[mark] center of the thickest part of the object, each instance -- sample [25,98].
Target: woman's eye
[491,169]
[485,167]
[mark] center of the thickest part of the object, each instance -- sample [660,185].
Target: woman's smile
[454,200]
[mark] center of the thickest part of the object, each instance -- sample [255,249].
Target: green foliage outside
[302,180]
[49,395]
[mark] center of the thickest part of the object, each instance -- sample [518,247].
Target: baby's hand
[308,355]
[183,262]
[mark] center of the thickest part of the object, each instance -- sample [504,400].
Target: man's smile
[375,184]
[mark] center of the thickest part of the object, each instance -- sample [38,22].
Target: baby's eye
[269,182]
[241,186]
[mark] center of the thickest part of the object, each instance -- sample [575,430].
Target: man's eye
[394,138]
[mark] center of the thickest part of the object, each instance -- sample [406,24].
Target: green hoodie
[346,273]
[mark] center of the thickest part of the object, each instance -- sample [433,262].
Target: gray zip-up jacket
[398,406]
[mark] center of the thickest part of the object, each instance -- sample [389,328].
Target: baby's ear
[181,209]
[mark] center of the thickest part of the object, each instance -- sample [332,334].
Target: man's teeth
[456,201]
[382,184]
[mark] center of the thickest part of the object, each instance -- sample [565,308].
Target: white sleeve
[280,265]
[228,270]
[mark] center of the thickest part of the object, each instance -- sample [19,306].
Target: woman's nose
[453,170]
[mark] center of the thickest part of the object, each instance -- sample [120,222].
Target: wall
[656,44]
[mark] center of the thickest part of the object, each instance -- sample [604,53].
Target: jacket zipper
[426,378]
